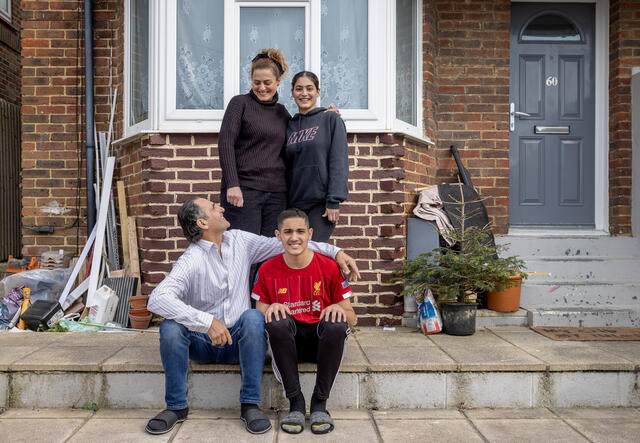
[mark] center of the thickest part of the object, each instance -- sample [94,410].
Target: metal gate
[9,180]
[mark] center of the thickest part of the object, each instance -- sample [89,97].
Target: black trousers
[322,227]
[292,342]
[259,213]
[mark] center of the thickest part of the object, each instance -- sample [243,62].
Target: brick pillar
[472,75]
[624,53]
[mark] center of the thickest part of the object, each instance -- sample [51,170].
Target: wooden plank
[100,232]
[76,270]
[134,264]
[124,230]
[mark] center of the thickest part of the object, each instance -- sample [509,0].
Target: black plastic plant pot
[459,318]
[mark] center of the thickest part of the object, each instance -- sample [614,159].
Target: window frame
[164,117]
[400,125]
[144,125]
[6,14]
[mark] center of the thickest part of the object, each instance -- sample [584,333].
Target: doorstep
[499,366]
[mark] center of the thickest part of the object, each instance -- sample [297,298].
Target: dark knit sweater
[251,139]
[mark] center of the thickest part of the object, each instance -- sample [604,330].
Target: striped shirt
[203,286]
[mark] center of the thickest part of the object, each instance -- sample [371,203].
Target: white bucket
[105,302]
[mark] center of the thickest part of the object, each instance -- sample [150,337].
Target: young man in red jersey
[305,301]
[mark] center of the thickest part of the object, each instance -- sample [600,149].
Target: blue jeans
[178,345]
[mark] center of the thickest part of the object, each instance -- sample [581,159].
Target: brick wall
[10,55]
[161,171]
[624,53]
[472,77]
[53,112]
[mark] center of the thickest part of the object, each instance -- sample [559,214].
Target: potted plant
[456,275]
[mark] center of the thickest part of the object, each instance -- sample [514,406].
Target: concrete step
[587,269]
[507,366]
[528,246]
[488,318]
[620,316]
[579,293]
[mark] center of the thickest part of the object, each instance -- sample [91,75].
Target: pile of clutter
[92,291]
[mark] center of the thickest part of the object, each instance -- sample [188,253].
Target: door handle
[512,116]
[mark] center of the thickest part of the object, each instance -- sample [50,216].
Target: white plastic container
[105,302]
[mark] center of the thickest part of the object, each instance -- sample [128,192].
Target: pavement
[390,425]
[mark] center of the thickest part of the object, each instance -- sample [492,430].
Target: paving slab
[508,413]
[140,413]
[405,358]
[399,337]
[28,338]
[598,413]
[608,429]
[494,358]
[629,350]
[134,358]
[354,359]
[418,414]
[483,338]
[146,339]
[10,354]
[58,413]
[566,356]
[66,358]
[44,430]
[111,430]
[427,430]
[344,431]
[221,430]
[118,338]
[55,390]
[527,430]
[490,389]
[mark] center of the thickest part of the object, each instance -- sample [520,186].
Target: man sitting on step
[305,301]
[206,305]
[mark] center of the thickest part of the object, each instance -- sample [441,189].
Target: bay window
[198,56]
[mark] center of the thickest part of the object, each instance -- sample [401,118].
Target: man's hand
[218,333]
[333,215]
[333,314]
[234,196]
[348,266]
[277,310]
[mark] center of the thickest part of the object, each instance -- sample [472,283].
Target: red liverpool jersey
[305,291]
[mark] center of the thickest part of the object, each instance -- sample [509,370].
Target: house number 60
[552,80]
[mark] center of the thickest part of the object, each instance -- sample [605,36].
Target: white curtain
[406,58]
[344,80]
[200,54]
[139,62]
[281,28]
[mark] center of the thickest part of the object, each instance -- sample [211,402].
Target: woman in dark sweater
[251,138]
[316,157]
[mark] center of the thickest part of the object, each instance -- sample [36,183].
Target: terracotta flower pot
[140,322]
[138,301]
[139,312]
[507,300]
